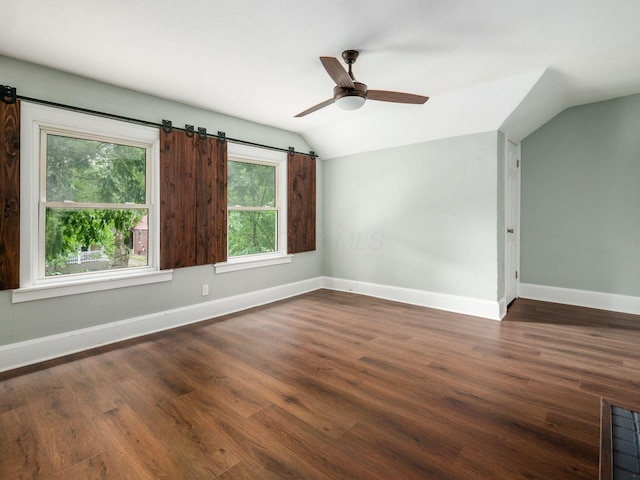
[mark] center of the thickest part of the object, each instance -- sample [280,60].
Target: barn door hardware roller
[8,94]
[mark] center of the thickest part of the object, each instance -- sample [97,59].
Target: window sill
[87,285]
[255,261]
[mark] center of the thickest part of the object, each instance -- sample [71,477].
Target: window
[256,204]
[93,194]
[88,185]
[253,210]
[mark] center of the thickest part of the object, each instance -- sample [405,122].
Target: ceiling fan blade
[337,72]
[326,103]
[397,97]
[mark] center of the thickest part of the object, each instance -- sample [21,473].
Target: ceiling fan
[350,94]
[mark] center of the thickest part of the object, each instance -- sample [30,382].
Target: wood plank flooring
[329,385]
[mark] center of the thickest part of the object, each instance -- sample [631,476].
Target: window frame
[35,120]
[250,154]
[44,203]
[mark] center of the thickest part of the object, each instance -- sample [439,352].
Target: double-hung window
[256,208]
[253,207]
[93,196]
[89,203]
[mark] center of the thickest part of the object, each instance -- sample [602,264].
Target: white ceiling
[486,64]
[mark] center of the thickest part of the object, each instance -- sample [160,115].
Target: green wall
[427,217]
[422,216]
[580,210]
[29,320]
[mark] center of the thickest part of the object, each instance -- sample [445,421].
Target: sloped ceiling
[486,64]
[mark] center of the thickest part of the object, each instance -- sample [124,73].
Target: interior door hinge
[516,274]
[517,163]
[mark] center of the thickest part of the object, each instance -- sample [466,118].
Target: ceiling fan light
[350,102]
[350,98]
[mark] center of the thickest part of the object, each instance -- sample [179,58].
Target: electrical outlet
[205,290]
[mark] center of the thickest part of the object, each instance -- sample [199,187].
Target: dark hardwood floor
[329,385]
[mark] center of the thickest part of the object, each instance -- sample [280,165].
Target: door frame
[512,272]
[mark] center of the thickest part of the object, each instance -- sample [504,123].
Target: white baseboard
[502,307]
[19,354]
[581,298]
[452,303]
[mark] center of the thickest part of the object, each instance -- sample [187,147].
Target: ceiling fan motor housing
[359,90]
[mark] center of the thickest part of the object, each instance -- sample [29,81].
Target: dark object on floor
[619,443]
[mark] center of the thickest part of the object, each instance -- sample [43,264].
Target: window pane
[251,184]
[89,240]
[252,232]
[81,170]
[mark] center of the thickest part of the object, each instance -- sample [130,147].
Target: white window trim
[261,155]
[252,261]
[35,117]
[73,286]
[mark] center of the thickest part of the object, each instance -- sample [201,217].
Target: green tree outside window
[95,195]
[253,210]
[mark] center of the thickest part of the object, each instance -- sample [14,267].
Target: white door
[512,200]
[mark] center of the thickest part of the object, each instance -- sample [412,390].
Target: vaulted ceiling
[486,64]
